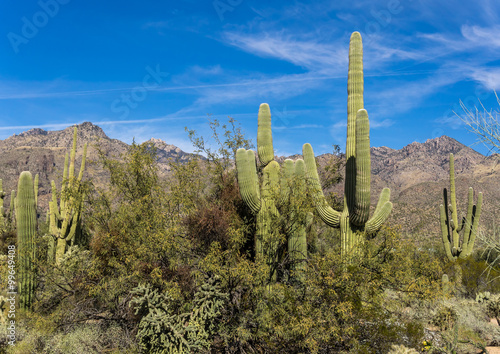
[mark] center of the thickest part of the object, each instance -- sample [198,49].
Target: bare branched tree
[484,123]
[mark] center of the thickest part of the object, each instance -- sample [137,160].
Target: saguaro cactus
[450,228]
[65,219]
[26,231]
[354,221]
[3,217]
[264,198]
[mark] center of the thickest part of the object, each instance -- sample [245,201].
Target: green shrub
[445,318]
[493,307]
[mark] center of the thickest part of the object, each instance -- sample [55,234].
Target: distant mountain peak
[88,129]
[441,145]
[34,131]
[162,145]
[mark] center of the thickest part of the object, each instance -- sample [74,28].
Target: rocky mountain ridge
[416,174]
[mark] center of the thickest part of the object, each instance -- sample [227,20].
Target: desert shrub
[62,291]
[333,310]
[83,339]
[7,237]
[472,320]
[493,307]
[401,349]
[137,236]
[445,318]
[477,276]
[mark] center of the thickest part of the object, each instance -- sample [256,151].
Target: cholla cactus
[493,307]
[354,221]
[161,330]
[483,296]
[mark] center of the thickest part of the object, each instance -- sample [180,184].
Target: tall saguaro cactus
[3,216]
[26,231]
[450,227]
[265,197]
[354,221]
[65,219]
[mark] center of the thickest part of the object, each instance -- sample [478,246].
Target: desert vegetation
[236,251]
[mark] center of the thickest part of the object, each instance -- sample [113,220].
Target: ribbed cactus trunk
[455,246]
[261,197]
[353,221]
[26,231]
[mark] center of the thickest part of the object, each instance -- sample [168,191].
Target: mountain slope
[416,173]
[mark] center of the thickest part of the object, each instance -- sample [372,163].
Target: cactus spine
[450,228]
[65,219]
[26,230]
[354,221]
[264,198]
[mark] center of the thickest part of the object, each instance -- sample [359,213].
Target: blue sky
[150,68]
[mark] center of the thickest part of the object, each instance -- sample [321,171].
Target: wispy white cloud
[489,77]
[309,54]
[301,126]
[482,36]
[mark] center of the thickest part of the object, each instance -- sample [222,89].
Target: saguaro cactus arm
[359,211]
[471,232]
[264,135]
[382,212]
[248,180]
[330,216]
